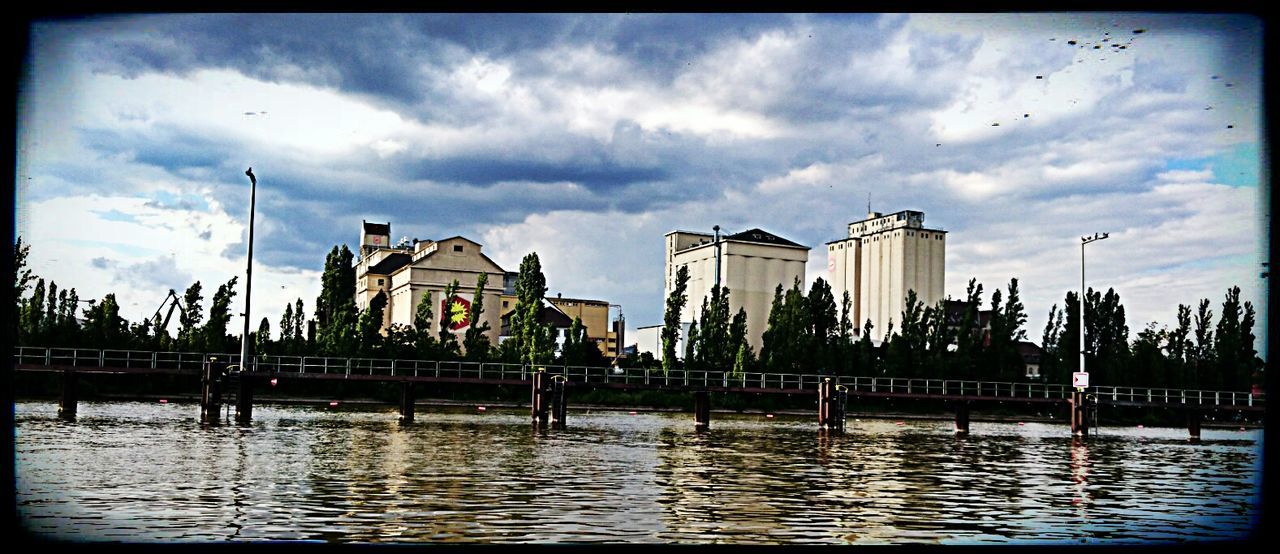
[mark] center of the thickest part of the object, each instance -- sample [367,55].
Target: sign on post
[1080,379]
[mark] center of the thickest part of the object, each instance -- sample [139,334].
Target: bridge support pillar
[701,410]
[67,404]
[1193,424]
[407,400]
[211,391]
[541,398]
[244,400]
[962,418]
[832,399]
[559,406]
[1079,414]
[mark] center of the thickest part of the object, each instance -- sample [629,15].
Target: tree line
[805,333]
[50,317]
[808,333]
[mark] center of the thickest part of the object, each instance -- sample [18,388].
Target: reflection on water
[150,472]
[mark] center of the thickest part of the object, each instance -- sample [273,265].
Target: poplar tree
[1179,346]
[822,327]
[474,342]
[21,277]
[370,326]
[287,346]
[535,345]
[189,319]
[1202,364]
[448,342]
[262,339]
[336,306]
[215,330]
[424,343]
[671,319]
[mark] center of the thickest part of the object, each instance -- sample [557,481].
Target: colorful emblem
[458,310]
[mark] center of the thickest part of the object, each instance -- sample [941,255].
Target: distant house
[1031,353]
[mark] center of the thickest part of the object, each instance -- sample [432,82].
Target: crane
[177,303]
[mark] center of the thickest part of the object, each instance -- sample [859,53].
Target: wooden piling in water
[1079,414]
[540,398]
[244,400]
[832,399]
[70,399]
[1193,423]
[211,391]
[407,400]
[559,406]
[702,410]
[962,418]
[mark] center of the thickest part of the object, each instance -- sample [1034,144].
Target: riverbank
[974,415]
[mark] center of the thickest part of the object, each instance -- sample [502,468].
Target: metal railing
[195,362]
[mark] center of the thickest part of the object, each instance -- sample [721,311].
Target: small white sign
[1080,379]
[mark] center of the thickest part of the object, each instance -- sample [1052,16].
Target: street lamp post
[1084,241]
[248,271]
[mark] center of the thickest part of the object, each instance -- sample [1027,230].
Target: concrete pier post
[69,401]
[962,418]
[1193,423]
[832,399]
[559,406]
[540,401]
[407,400]
[702,410]
[1079,414]
[211,391]
[244,400]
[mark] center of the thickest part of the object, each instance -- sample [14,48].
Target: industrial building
[883,257]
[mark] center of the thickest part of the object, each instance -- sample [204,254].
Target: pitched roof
[390,263]
[762,237]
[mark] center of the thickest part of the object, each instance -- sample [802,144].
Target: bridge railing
[195,361]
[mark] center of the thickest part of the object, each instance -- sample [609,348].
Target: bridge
[550,382]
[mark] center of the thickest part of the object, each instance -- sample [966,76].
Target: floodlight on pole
[1084,241]
[248,271]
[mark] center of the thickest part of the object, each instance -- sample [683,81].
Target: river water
[149,472]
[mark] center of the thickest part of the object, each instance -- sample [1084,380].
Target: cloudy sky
[585,138]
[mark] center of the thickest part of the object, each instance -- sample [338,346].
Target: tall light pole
[717,250]
[1084,241]
[248,271]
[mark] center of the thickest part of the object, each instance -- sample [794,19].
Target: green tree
[1148,365]
[215,330]
[534,342]
[822,327]
[103,326]
[448,342]
[424,343]
[940,336]
[969,333]
[1233,343]
[370,326]
[336,307]
[1006,332]
[299,324]
[1052,368]
[903,356]
[1179,347]
[691,359]
[262,339]
[475,342]
[671,319]
[189,320]
[1202,363]
[21,277]
[287,345]
[846,351]
[33,314]
[714,351]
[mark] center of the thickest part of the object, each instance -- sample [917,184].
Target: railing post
[102,358]
[48,354]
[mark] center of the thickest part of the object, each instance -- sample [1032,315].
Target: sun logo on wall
[458,310]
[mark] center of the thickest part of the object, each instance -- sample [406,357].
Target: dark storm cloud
[604,175]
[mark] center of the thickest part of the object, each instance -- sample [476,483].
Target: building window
[504,303]
[379,282]
[457,248]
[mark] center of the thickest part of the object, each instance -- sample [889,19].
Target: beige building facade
[595,319]
[407,271]
[883,257]
[751,264]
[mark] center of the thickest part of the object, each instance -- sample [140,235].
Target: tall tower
[883,257]
[374,236]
